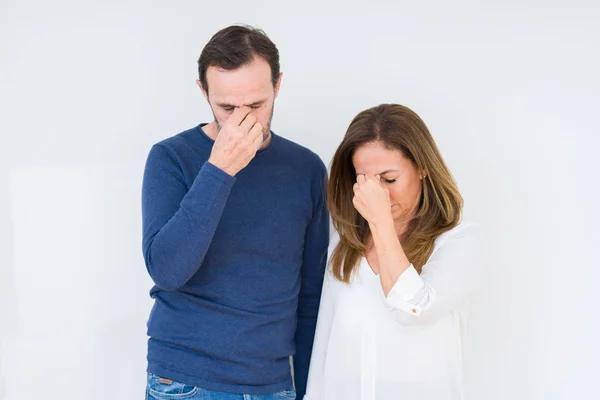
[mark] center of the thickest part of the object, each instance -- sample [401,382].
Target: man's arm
[313,270]
[178,225]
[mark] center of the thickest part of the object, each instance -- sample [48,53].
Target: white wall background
[509,90]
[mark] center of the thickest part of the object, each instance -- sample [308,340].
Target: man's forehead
[244,93]
[255,76]
[238,100]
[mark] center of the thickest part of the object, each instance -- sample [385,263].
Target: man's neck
[211,130]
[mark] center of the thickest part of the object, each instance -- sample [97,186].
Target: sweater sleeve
[179,224]
[316,242]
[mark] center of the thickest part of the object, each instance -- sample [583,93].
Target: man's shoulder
[180,140]
[302,154]
[185,147]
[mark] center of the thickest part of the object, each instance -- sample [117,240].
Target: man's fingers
[257,135]
[238,115]
[248,123]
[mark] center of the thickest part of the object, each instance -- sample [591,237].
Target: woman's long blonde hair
[440,206]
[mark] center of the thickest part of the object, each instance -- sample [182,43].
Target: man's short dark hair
[236,46]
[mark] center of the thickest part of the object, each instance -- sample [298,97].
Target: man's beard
[266,132]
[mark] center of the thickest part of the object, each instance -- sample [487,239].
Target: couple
[236,235]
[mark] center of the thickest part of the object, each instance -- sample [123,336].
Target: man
[235,236]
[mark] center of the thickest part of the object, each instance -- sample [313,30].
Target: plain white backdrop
[510,91]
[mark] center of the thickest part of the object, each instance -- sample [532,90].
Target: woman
[393,307]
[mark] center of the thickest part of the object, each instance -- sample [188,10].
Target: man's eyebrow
[256,103]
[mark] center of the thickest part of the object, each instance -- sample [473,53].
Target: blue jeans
[161,389]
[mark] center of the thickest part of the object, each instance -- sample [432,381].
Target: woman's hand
[372,200]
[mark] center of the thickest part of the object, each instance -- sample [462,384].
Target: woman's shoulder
[467,228]
[334,239]
[464,231]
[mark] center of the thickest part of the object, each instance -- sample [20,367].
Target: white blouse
[404,346]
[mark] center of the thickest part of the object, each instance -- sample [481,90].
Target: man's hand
[237,142]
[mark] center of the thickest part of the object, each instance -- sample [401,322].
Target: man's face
[249,85]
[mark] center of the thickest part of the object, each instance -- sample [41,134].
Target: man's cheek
[263,118]
[222,117]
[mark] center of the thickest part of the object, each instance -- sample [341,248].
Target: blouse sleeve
[448,278]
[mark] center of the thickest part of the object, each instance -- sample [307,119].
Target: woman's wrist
[384,224]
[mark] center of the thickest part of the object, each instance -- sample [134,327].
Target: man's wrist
[216,165]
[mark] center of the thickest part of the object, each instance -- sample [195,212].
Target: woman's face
[398,174]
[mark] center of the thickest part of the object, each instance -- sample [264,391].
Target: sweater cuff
[218,173]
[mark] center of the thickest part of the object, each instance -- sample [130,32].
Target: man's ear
[278,84]
[204,92]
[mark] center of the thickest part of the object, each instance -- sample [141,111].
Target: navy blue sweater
[237,262]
